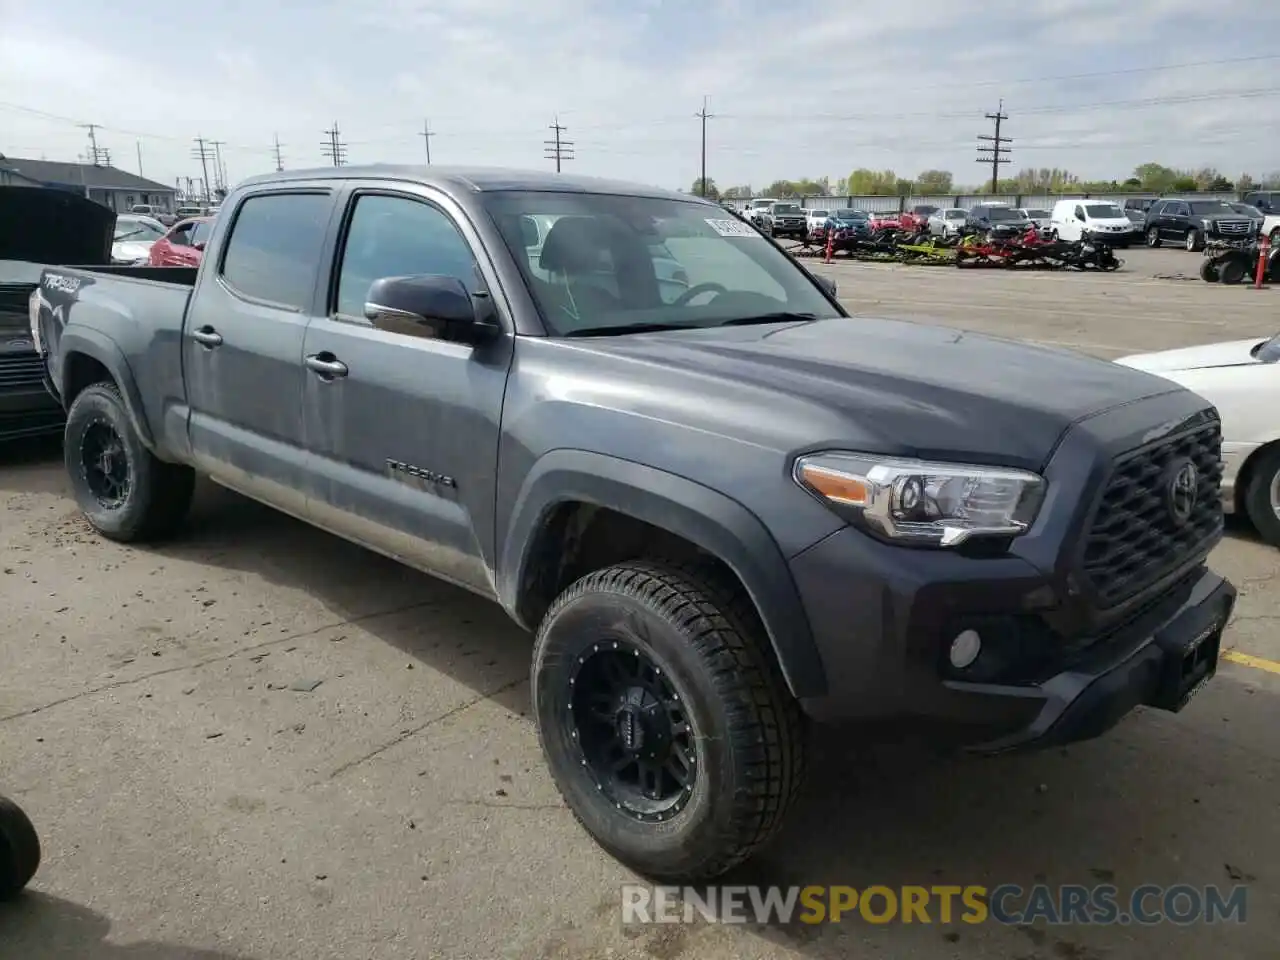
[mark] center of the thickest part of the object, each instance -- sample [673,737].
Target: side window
[1079,212]
[181,237]
[399,236]
[275,244]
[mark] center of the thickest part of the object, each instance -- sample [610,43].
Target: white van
[1092,219]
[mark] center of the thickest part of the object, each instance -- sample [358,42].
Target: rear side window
[274,249]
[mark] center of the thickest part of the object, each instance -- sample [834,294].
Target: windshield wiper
[781,316]
[614,331]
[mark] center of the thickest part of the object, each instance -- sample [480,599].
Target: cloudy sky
[796,89]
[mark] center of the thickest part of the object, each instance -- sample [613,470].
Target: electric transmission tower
[997,153]
[334,148]
[558,149]
[279,156]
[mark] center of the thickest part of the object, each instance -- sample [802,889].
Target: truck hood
[888,386]
[45,225]
[1231,354]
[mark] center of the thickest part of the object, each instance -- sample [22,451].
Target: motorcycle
[19,849]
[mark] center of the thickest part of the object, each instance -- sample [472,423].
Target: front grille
[21,370]
[1134,539]
[14,298]
[1234,228]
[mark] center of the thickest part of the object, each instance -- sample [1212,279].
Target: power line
[426,139]
[558,149]
[204,154]
[334,149]
[995,154]
[702,181]
[279,157]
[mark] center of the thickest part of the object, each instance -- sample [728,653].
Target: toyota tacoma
[723,510]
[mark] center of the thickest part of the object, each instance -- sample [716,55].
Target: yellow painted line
[1248,660]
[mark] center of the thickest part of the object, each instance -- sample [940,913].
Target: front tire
[19,849]
[1233,270]
[1208,271]
[1195,240]
[1262,495]
[125,491]
[672,658]
[1153,237]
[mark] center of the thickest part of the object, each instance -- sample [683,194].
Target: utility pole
[558,149]
[219,169]
[426,136]
[997,153]
[204,154]
[702,182]
[95,152]
[334,149]
[279,157]
[138,144]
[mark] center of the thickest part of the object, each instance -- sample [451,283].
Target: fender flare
[718,524]
[98,346]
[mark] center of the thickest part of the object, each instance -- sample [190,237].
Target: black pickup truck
[723,509]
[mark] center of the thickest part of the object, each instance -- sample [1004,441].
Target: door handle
[207,337]
[326,366]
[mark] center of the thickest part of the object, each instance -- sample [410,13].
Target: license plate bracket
[1191,646]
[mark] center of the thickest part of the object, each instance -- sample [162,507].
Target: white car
[1242,379]
[947,223]
[817,219]
[134,235]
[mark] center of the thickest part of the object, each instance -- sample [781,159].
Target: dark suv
[1195,221]
[996,221]
[788,220]
[1268,201]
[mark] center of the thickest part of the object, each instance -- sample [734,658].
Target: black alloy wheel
[104,465]
[636,738]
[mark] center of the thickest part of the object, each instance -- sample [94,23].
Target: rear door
[242,344]
[404,428]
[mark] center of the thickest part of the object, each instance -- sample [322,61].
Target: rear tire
[19,849]
[125,491]
[1208,271]
[1232,271]
[1262,495]
[629,628]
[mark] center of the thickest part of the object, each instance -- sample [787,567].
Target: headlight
[921,503]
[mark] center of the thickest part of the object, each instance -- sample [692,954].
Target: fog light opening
[965,649]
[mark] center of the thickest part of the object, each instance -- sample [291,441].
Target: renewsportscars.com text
[1101,904]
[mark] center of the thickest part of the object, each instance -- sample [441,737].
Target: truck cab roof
[474,180]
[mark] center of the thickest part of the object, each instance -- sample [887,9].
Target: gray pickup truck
[724,509]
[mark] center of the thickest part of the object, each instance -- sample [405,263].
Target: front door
[404,429]
[242,346]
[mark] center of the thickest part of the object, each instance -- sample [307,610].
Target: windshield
[1003,214]
[924,210]
[819,213]
[1209,207]
[850,215]
[785,208]
[130,229]
[1247,210]
[591,267]
[956,214]
[1038,214]
[1103,211]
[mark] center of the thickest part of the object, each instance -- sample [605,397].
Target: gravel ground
[262,743]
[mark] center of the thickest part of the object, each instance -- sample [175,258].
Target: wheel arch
[567,489]
[1244,476]
[90,357]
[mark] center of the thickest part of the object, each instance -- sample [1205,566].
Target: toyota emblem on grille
[1184,486]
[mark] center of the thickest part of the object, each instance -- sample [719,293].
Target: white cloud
[797,89]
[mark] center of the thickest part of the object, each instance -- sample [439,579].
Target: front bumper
[883,617]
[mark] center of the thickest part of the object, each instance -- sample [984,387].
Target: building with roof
[115,189]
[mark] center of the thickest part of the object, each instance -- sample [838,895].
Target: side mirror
[427,306]
[826,283]
[198,245]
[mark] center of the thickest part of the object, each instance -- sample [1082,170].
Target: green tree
[1185,184]
[1157,177]
[934,183]
[1245,182]
[711,193]
[736,193]
[871,183]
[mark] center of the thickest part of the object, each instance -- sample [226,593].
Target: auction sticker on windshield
[732,228]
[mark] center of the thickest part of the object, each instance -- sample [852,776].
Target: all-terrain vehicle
[19,849]
[1236,261]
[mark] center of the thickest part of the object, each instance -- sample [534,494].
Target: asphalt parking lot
[263,743]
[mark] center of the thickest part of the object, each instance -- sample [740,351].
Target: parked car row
[145,241]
